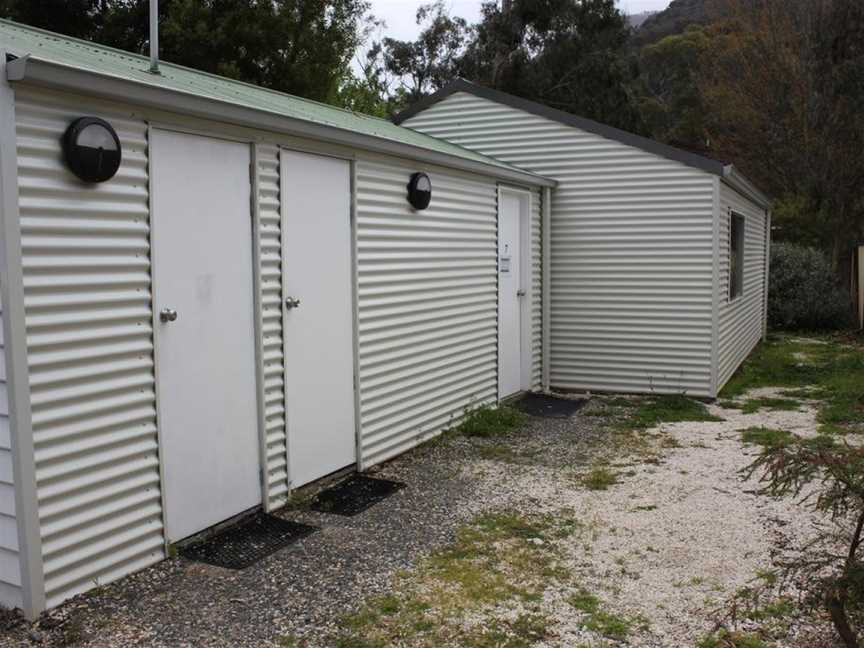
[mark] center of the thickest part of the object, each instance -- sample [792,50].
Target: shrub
[803,293]
[833,477]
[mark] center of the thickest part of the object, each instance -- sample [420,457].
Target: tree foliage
[298,46]
[569,55]
[424,65]
[785,82]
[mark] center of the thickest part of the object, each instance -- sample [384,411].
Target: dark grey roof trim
[715,167]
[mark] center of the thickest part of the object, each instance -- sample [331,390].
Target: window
[736,256]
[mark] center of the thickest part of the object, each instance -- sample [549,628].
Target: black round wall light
[419,191]
[92,149]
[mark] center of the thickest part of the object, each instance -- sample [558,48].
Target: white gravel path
[672,541]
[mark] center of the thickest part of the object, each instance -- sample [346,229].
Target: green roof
[58,49]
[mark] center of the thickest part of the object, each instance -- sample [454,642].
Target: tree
[79,18]
[367,92]
[669,97]
[569,55]
[297,46]
[785,81]
[424,65]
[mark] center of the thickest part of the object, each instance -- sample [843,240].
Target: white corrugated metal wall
[88,312]
[270,241]
[10,566]
[89,338]
[427,302]
[741,322]
[631,253]
[537,290]
[427,330]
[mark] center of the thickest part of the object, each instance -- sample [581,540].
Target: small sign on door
[504,265]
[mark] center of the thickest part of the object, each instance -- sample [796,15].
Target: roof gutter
[734,179]
[63,77]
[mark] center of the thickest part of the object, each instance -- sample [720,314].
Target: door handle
[291,302]
[168,315]
[520,293]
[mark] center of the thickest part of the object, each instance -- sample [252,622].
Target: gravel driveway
[671,540]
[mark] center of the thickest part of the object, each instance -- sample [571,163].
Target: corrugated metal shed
[631,253]
[427,306]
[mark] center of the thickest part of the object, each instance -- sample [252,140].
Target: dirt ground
[562,532]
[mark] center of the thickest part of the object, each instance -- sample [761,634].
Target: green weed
[652,411]
[599,478]
[726,639]
[766,437]
[486,421]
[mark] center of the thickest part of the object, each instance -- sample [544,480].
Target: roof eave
[728,173]
[733,178]
[693,160]
[33,70]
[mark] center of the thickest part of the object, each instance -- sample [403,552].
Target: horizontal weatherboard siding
[427,305]
[631,248]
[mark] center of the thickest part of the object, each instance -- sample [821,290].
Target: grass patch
[461,593]
[599,478]
[726,639]
[729,404]
[766,437]
[830,370]
[599,620]
[753,405]
[486,421]
[650,412]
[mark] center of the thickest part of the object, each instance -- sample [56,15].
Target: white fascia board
[734,179]
[30,69]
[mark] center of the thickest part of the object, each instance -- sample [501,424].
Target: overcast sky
[400,14]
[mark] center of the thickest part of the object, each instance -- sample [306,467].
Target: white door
[205,358]
[319,348]
[510,294]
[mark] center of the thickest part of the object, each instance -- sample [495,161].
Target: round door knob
[168,315]
[291,302]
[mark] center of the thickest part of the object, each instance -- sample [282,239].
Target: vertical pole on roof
[154,36]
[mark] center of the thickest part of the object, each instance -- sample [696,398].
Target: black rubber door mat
[354,495]
[548,406]
[248,542]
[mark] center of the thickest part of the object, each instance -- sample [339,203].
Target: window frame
[737,254]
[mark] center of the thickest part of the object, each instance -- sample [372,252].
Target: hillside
[673,20]
[637,20]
